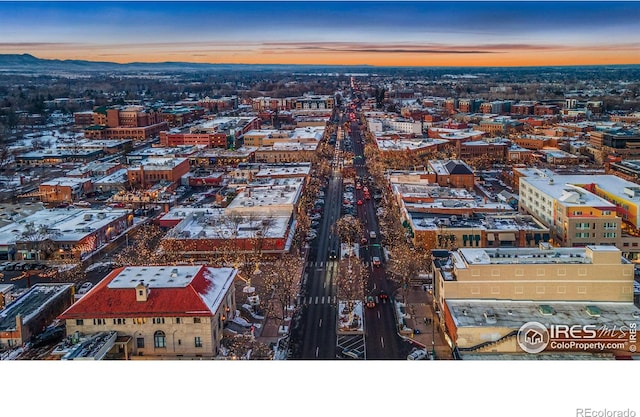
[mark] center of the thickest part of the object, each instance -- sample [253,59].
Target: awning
[507,236]
[491,237]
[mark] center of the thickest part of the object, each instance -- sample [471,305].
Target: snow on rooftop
[155,276]
[408,144]
[68,224]
[221,280]
[216,224]
[513,314]
[30,304]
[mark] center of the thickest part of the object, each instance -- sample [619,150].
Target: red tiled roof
[104,302]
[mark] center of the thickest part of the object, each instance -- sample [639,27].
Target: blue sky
[382,33]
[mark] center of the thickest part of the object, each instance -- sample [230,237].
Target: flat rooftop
[408,144]
[428,221]
[66,182]
[214,224]
[495,256]
[283,170]
[67,224]
[31,303]
[158,164]
[513,314]
[268,196]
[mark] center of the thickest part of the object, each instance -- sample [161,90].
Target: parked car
[375,261]
[383,295]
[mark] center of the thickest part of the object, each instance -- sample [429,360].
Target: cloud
[434,48]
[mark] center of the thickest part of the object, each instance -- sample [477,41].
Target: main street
[382,340]
[314,331]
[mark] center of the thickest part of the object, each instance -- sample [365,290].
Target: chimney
[142,291]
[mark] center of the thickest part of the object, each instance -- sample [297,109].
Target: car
[332,254]
[418,354]
[383,295]
[371,302]
[375,261]
[359,202]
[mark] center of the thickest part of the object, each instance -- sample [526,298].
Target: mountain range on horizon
[30,63]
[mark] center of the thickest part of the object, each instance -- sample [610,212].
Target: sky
[414,33]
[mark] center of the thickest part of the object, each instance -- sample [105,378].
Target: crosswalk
[322,264]
[318,300]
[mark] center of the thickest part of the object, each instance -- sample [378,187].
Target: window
[582,234]
[539,290]
[610,234]
[562,290]
[140,342]
[177,320]
[140,320]
[79,322]
[98,321]
[198,341]
[158,320]
[196,320]
[159,339]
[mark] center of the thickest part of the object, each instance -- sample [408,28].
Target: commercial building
[154,170]
[68,233]
[28,315]
[64,189]
[484,296]
[160,311]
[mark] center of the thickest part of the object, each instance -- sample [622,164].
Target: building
[151,171]
[162,311]
[286,152]
[68,233]
[28,315]
[453,173]
[260,218]
[314,102]
[134,133]
[484,296]
[575,216]
[50,157]
[209,140]
[583,209]
[64,189]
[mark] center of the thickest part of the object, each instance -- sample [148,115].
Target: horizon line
[312,65]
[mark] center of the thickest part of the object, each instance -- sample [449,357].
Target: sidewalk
[418,306]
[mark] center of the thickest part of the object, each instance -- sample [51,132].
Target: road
[382,340]
[318,333]
[313,334]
